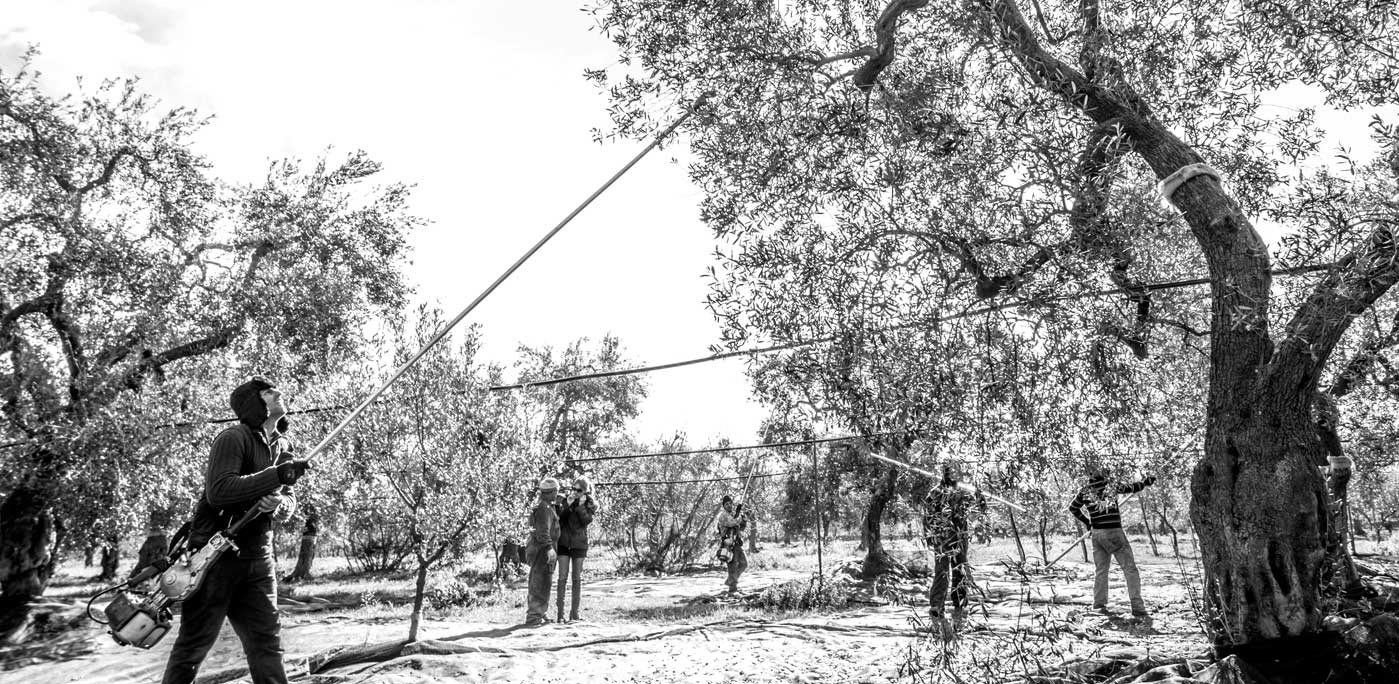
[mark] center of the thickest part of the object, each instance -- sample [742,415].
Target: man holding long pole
[946,515]
[249,467]
[1104,522]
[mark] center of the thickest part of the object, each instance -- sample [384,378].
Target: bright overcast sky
[483,106]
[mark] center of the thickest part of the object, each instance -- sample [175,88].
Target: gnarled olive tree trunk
[1259,507]
[27,539]
[877,560]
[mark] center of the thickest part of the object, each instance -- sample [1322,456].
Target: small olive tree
[450,460]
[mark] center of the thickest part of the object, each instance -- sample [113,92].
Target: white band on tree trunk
[1171,183]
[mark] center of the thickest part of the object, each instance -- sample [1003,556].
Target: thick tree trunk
[156,547]
[111,558]
[27,538]
[1342,565]
[1259,508]
[877,560]
[306,554]
[305,558]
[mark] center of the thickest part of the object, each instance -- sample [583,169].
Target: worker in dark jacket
[540,551]
[1104,521]
[575,514]
[948,511]
[250,466]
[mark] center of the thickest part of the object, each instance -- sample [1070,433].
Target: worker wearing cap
[539,552]
[1097,507]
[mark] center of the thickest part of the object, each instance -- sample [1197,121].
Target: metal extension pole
[481,297]
[924,473]
[1084,536]
[820,533]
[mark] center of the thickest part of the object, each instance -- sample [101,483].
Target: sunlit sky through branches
[483,106]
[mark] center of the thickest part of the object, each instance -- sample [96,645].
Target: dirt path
[865,644]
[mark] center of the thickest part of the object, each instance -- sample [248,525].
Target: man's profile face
[272,397]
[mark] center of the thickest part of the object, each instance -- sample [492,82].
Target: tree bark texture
[1260,511]
[305,558]
[306,554]
[877,560]
[27,537]
[418,590]
[111,558]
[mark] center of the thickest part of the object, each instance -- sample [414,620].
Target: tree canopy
[969,151]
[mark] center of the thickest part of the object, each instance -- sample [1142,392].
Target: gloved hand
[291,471]
[1150,480]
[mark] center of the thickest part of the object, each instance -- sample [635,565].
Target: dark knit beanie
[246,401]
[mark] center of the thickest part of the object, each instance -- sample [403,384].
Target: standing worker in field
[1104,522]
[730,525]
[250,466]
[540,552]
[575,514]
[947,513]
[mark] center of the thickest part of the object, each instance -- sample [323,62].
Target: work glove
[1150,480]
[291,471]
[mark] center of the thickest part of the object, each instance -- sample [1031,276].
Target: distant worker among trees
[575,514]
[947,513]
[1104,522]
[540,552]
[732,522]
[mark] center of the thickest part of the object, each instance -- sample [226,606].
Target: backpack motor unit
[143,619]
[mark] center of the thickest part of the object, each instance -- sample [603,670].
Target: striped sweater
[1101,502]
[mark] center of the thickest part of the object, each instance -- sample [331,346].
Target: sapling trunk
[1146,524]
[1015,532]
[419,590]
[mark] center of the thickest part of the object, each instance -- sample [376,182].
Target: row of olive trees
[136,288]
[128,274]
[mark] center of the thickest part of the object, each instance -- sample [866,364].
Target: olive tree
[122,261]
[1016,151]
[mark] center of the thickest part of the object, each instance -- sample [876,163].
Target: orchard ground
[672,628]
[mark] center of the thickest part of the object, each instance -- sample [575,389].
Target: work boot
[573,617]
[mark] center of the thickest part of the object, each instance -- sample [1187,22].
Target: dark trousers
[245,592]
[952,559]
[541,580]
[737,565]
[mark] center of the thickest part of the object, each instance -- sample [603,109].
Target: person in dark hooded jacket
[250,466]
[575,514]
